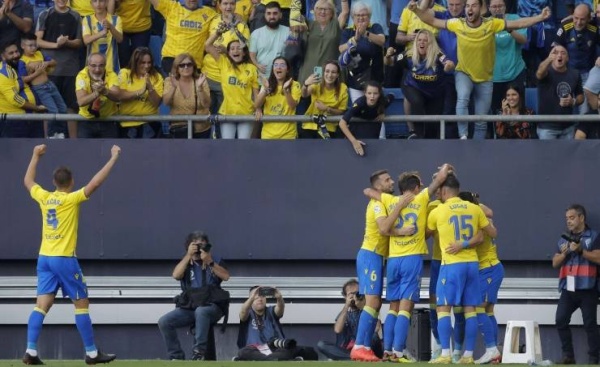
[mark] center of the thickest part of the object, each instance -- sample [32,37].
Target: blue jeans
[551,134]
[482,98]
[48,95]
[201,318]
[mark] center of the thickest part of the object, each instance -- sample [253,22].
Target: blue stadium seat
[531,99]
[164,110]
[395,129]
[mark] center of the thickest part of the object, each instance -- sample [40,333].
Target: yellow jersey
[457,220]
[135,15]
[487,252]
[276,105]
[60,220]
[414,214]
[244,9]
[13,94]
[237,84]
[141,106]
[286,4]
[107,106]
[329,99]
[36,57]
[105,45]
[83,7]
[476,47]
[410,23]
[186,30]
[211,66]
[437,252]
[373,240]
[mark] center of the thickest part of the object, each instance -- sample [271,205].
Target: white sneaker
[436,353]
[492,356]
[456,356]
[409,356]
[463,137]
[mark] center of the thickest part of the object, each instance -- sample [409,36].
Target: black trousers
[569,302]
[422,104]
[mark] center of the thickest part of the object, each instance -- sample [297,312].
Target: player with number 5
[57,265]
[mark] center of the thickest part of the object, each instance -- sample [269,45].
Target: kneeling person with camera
[261,336]
[202,302]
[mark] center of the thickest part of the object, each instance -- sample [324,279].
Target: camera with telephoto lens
[570,238]
[282,343]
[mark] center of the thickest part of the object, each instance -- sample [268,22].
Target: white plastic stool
[533,343]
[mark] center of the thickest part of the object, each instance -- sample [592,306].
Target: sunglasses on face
[184,65]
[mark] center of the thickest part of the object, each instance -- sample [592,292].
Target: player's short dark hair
[375,176]
[451,182]
[408,181]
[347,284]
[62,177]
[469,196]
[28,37]
[578,208]
[195,236]
[273,4]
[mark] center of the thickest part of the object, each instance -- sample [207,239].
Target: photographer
[578,257]
[346,325]
[202,302]
[261,336]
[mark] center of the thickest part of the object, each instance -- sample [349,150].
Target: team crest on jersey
[377,209]
[489,280]
[247,72]
[205,17]
[76,276]
[443,281]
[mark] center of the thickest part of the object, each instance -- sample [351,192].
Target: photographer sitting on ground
[346,325]
[202,302]
[260,336]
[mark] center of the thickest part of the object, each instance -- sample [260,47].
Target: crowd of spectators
[286,57]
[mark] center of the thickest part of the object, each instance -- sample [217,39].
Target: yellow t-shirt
[282,3]
[476,47]
[244,8]
[12,98]
[141,106]
[135,15]
[83,7]
[329,99]
[186,30]
[37,57]
[60,220]
[107,106]
[210,66]
[237,85]
[414,214]
[105,44]
[437,253]
[457,221]
[410,22]
[373,240]
[276,105]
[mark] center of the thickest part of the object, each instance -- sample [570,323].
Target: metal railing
[441,119]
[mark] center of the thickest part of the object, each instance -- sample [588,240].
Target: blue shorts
[458,285]
[369,268]
[404,278]
[490,280]
[434,275]
[56,272]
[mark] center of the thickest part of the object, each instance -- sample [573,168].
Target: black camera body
[204,247]
[570,238]
[266,291]
[282,343]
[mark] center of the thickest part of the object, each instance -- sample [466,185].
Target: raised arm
[209,46]
[439,178]
[427,16]
[280,305]
[245,309]
[101,176]
[29,180]
[343,16]
[542,70]
[529,21]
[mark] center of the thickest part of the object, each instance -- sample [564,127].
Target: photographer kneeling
[202,302]
[261,336]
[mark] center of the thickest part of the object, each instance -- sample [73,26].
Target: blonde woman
[186,93]
[423,83]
